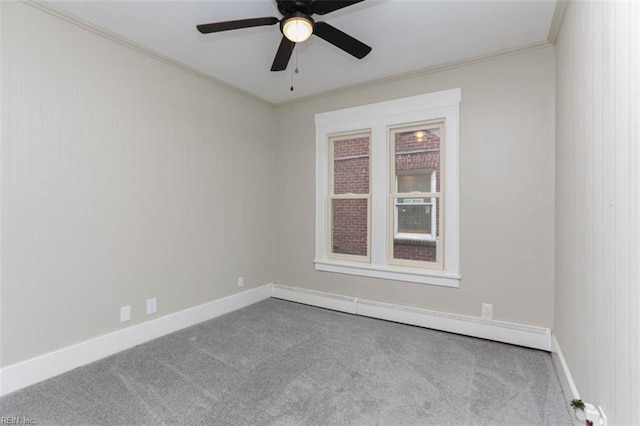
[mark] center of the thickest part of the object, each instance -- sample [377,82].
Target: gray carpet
[282,363]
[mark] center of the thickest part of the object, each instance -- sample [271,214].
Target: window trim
[378,119]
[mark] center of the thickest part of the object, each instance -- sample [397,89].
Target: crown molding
[66,16]
[419,73]
[556,22]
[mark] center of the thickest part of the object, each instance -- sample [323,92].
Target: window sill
[413,275]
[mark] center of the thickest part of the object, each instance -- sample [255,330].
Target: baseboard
[32,371]
[562,370]
[335,302]
[500,331]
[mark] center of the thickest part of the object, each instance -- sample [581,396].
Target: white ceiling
[406,36]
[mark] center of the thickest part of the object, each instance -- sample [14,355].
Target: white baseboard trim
[35,370]
[562,370]
[517,334]
[335,302]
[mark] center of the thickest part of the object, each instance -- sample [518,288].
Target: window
[387,189]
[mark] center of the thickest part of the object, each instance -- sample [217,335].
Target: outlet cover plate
[125,313]
[487,311]
[152,306]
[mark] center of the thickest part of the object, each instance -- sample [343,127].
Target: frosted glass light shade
[297,29]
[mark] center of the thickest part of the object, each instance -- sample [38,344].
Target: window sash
[435,197]
[432,197]
[432,203]
[346,196]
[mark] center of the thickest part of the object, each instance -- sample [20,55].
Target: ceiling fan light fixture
[297,27]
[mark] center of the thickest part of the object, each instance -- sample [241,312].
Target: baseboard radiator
[500,331]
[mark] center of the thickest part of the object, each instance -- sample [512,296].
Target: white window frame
[377,119]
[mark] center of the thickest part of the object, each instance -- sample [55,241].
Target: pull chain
[296,71]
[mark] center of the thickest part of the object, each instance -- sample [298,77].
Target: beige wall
[123,178]
[598,204]
[507,182]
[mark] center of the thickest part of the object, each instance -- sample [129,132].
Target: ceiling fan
[297,26]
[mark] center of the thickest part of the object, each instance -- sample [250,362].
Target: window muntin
[416,194]
[349,196]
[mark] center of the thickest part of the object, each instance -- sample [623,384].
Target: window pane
[416,235]
[420,182]
[349,226]
[425,251]
[351,165]
[414,218]
[417,156]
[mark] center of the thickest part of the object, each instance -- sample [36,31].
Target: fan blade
[215,27]
[341,40]
[322,7]
[283,55]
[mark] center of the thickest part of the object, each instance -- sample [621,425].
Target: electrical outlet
[241,282]
[487,311]
[125,313]
[152,306]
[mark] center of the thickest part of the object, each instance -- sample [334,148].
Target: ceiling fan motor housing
[288,7]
